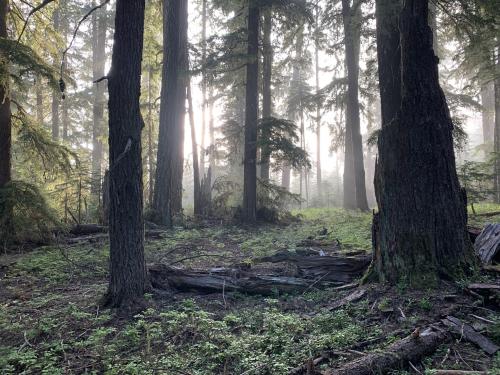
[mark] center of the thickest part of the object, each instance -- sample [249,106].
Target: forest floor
[51,323]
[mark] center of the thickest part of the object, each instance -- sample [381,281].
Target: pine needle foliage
[26,62]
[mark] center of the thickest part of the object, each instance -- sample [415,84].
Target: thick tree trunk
[389,57]
[422,232]
[196,166]
[128,277]
[56,95]
[98,66]
[267,66]
[5,132]
[251,114]
[354,171]
[167,199]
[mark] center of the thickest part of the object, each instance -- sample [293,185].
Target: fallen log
[487,244]
[410,349]
[219,280]
[466,331]
[336,267]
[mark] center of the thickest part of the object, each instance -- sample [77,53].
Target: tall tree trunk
[203,83]
[64,103]
[318,106]
[196,166]
[150,135]
[292,111]
[251,114]
[98,65]
[496,145]
[389,56]
[422,233]
[354,172]
[167,199]
[128,276]
[56,95]
[211,128]
[5,131]
[488,110]
[267,66]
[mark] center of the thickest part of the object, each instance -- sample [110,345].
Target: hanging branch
[33,11]
[82,20]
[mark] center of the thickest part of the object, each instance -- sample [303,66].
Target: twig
[87,15]
[414,368]
[33,11]
[482,319]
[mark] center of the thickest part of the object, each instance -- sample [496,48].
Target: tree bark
[5,131]
[167,199]
[128,276]
[39,101]
[389,57]
[267,66]
[98,65]
[354,172]
[251,114]
[422,221]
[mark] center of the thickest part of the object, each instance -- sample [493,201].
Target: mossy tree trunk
[422,234]
[128,276]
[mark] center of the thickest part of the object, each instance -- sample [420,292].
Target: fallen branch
[466,331]
[410,349]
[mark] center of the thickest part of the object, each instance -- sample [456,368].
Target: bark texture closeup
[128,280]
[421,230]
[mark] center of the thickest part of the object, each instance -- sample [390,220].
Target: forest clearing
[250,187]
[51,320]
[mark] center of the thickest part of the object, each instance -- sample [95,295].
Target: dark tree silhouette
[128,276]
[251,113]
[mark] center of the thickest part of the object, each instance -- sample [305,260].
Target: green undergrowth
[50,322]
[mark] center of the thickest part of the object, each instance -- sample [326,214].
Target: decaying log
[223,279]
[410,349]
[487,244]
[339,268]
[466,331]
